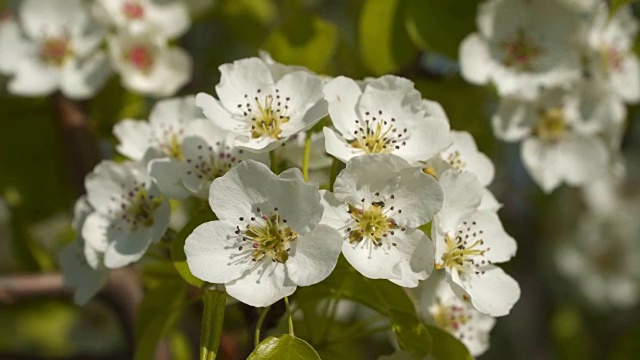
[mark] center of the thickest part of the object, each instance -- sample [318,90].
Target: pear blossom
[206,153]
[56,50]
[379,201]
[522,46]
[267,240]
[148,64]
[602,257]
[162,135]
[383,116]
[130,212]
[455,316]
[169,19]
[82,266]
[611,40]
[264,103]
[462,155]
[561,133]
[469,242]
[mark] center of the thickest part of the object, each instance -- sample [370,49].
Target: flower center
[266,114]
[55,51]
[455,161]
[133,10]
[141,57]
[267,236]
[551,124]
[377,135]
[611,58]
[136,207]
[465,250]
[210,165]
[449,317]
[372,222]
[520,51]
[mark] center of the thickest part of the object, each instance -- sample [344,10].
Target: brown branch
[81,149]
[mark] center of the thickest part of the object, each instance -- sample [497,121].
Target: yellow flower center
[551,124]
[55,51]
[455,161]
[449,317]
[520,51]
[266,236]
[377,135]
[373,222]
[210,165]
[137,207]
[266,114]
[464,250]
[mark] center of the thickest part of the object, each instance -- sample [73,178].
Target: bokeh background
[45,153]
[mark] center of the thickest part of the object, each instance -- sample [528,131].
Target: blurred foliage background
[417,39]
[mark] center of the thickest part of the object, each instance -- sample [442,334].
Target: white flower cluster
[564,70]
[56,45]
[405,173]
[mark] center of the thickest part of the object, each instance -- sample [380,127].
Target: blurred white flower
[383,116]
[130,212]
[148,64]
[169,19]
[379,201]
[523,45]
[206,153]
[469,242]
[81,265]
[612,58]
[58,50]
[162,135]
[455,316]
[267,240]
[562,132]
[264,103]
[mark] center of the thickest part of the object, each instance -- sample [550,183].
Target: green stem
[334,173]
[263,314]
[305,159]
[274,161]
[286,303]
[212,320]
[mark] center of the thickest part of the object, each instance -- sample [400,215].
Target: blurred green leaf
[157,314]
[447,347]
[440,25]
[412,334]
[284,347]
[384,43]
[180,346]
[304,40]
[617,4]
[178,257]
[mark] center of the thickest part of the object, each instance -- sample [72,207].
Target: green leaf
[304,40]
[384,43]
[440,25]
[212,320]
[284,347]
[446,346]
[411,332]
[618,4]
[178,257]
[157,314]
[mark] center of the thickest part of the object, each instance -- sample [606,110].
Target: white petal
[214,111]
[489,202]
[304,91]
[543,161]
[376,262]
[168,173]
[127,248]
[421,255]
[493,293]
[335,211]
[82,81]
[583,160]
[343,94]
[79,275]
[34,78]
[243,77]
[171,18]
[49,17]
[13,46]
[513,120]
[314,255]
[298,202]
[337,147]
[135,138]
[95,231]
[476,63]
[627,81]
[213,255]
[502,247]
[462,196]
[262,286]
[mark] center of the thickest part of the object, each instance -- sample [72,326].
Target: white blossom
[162,135]
[169,19]
[383,116]
[148,64]
[81,265]
[130,212]
[379,201]
[469,242]
[267,240]
[522,46]
[56,50]
[264,103]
